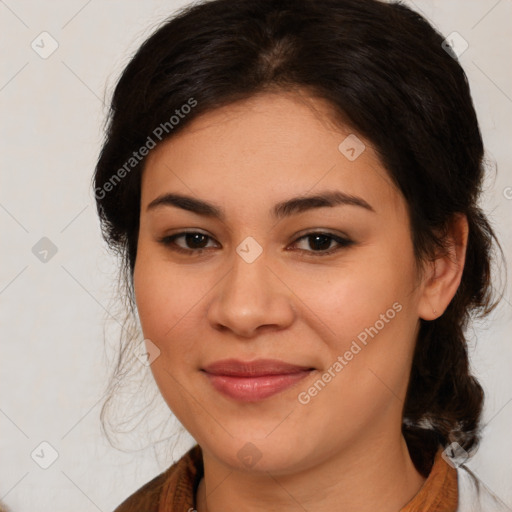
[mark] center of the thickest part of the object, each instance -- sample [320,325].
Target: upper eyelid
[299,236]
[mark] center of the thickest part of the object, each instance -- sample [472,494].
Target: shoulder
[474,495]
[176,486]
[147,497]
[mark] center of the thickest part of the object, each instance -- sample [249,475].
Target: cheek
[369,311]
[165,300]
[351,298]
[160,295]
[368,357]
[169,301]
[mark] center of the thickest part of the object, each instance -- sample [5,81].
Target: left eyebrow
[292,206]
[301,204]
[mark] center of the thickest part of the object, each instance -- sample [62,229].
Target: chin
[279,455]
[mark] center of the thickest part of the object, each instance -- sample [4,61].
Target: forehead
[269,146]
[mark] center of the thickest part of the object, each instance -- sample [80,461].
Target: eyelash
[168,241]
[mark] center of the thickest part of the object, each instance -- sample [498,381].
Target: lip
[252,381]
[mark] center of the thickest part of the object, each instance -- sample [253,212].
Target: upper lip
[256,368]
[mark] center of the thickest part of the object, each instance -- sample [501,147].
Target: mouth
[253,381]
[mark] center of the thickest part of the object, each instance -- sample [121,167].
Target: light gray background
[52,361]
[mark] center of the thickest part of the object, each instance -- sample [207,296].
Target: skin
[344,446]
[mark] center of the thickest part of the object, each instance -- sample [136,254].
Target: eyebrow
[287,208]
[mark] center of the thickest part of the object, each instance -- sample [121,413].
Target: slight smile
[255,380]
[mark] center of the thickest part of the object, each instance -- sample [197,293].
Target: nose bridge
[245,276]
[250,296]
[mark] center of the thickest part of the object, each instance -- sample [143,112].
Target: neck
[363,479]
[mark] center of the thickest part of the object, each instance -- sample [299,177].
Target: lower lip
[253,389]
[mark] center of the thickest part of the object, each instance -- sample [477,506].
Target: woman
[293,187]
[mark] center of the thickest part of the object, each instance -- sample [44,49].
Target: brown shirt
[175,489]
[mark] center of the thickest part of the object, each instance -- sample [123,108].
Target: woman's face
[336,312]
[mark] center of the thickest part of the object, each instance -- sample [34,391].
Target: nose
[251,298]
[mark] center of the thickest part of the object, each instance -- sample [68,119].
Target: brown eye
[193,241]
[321,243]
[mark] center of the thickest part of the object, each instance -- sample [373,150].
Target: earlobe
[445,273]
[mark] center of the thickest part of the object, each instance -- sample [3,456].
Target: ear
[443,275]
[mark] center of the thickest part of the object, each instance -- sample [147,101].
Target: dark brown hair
[383,69]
